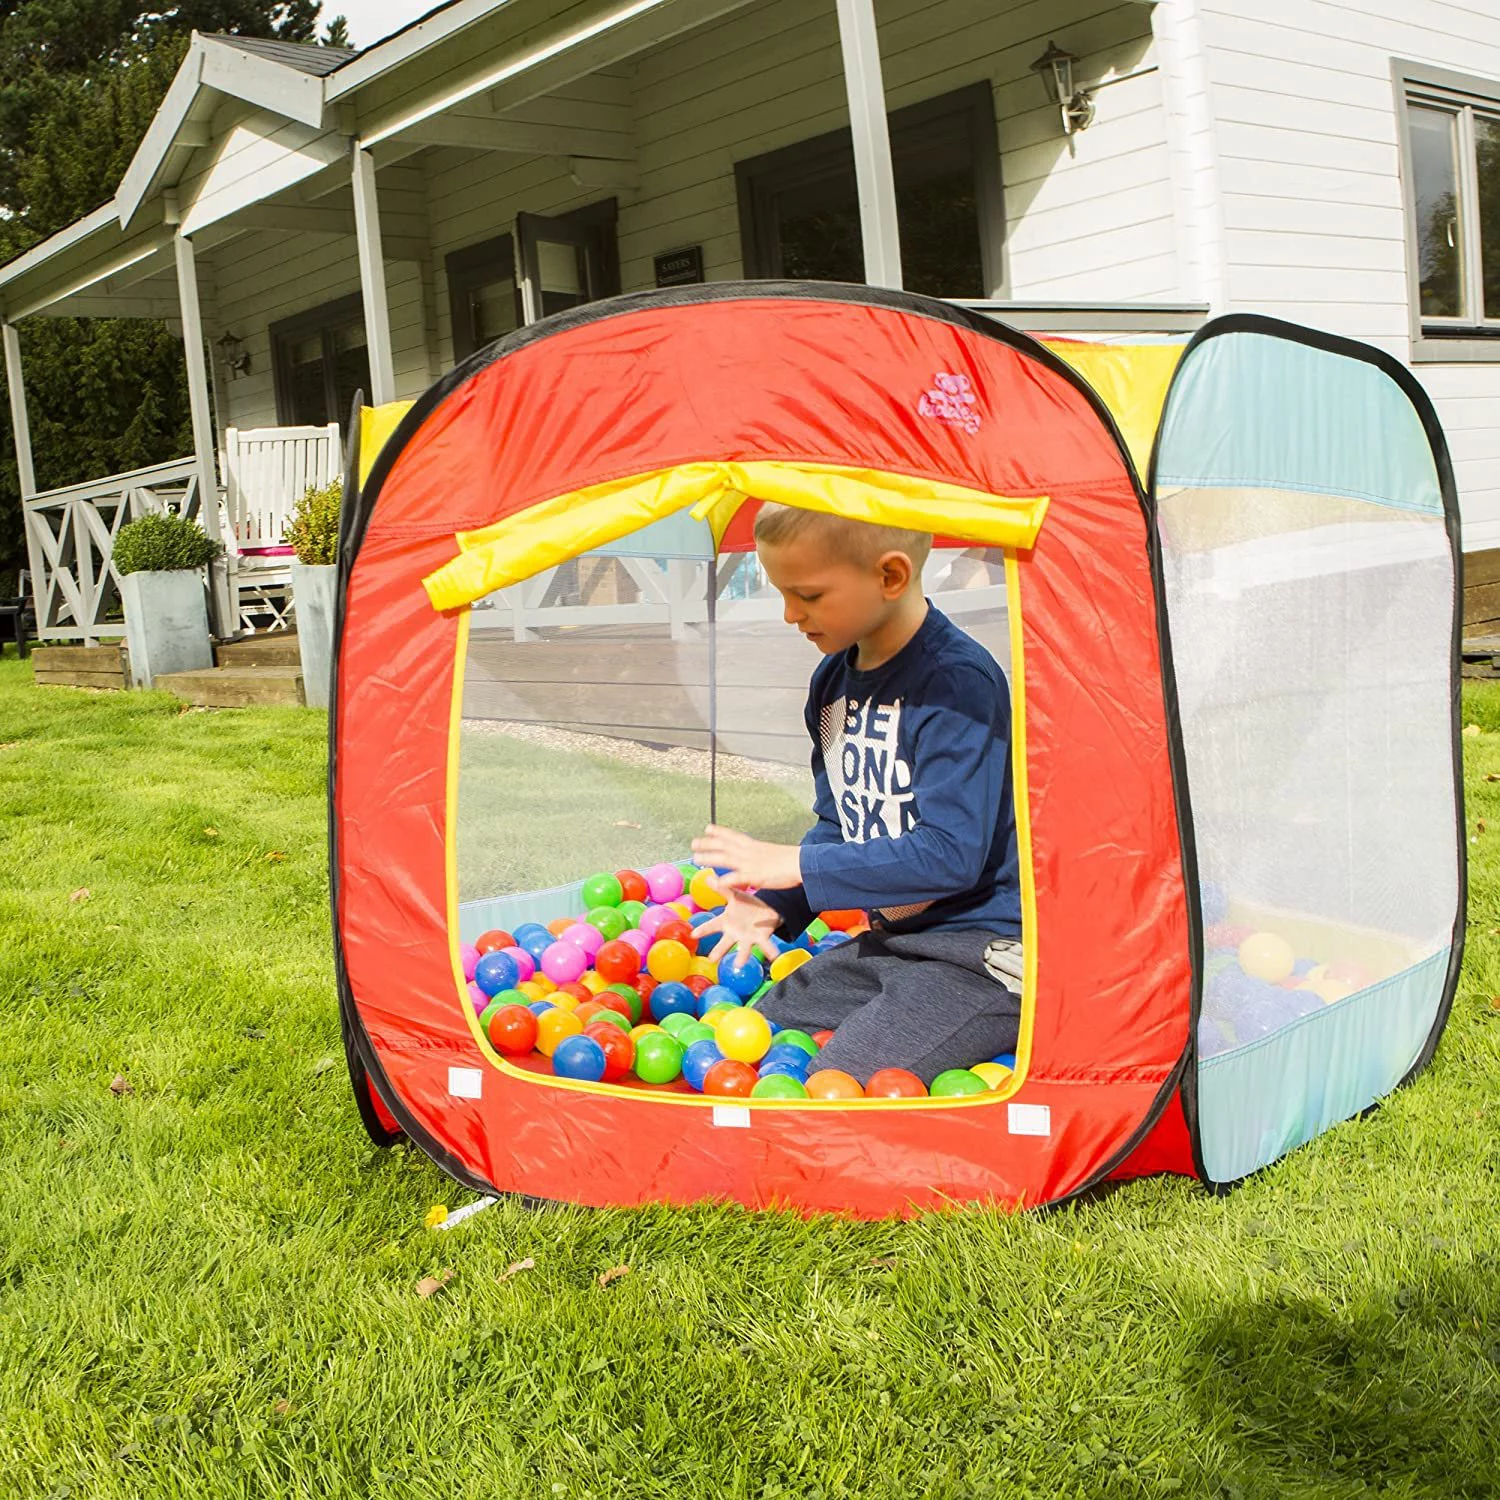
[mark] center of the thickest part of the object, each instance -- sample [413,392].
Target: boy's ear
[896,573]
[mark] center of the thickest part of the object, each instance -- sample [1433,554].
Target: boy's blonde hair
[854,541]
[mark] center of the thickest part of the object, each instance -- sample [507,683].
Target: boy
[910,722]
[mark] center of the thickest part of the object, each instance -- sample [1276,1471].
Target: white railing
[266,471]
[70,538]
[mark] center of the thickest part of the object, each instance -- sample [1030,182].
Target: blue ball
[698,918]
[744,977]
[671,998]
[1212,902]
[698,1059]
[716,994]
[704,946]
[536,946]
[786,1055]
[495,972]
[1006,1060]
[530,929]
[833,940]
[579,1057]
[537,1007]
[783,1070]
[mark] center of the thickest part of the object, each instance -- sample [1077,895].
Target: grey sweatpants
[924,1001]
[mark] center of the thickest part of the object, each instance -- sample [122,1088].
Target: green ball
[658,1057]
[602,889]
[818,929]
[768,985]
[693,1031]
[609,920]
[957,1081]
[722,1005]
[689,869]
[796,1039]
[632,997]
[778,1086]
[674,1023]
[632,911]
[613,1017]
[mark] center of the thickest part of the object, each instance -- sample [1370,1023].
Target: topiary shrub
[314,532]
[161,543]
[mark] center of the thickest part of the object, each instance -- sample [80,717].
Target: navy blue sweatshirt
[911,765]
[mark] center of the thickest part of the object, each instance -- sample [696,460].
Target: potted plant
[314,536]
[160,560]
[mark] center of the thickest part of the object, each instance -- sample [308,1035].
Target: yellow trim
[566,526]
[1131,380]
[376,424]
[1021,797]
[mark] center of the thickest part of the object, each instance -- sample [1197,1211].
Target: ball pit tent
[1235,746]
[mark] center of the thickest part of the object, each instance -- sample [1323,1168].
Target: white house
[322,221]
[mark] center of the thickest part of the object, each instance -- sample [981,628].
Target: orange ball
[676,932]
[553,1027]
[894,1083]
[832,1083]
[668,961]
[559,925]
[577,991]
[842,921]
[493,940]
[632,885]
[822,1038]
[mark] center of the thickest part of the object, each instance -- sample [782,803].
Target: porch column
[223,618]
[372,280]
[20,426]
[872,142]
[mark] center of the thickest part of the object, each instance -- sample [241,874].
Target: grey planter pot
[314,593]
[166,624]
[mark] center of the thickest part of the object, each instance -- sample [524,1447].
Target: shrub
[159,543]
[314,532]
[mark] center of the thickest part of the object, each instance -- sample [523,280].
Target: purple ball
[524,962]
[584,935]
[637,940]
[480,999]
[469,955]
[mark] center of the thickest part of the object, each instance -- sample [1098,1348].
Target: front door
[567,260]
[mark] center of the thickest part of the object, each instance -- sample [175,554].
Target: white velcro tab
[1030,1119]
[735,1116]
[465,1083]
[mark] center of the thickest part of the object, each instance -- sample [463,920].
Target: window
[482,294]
[799,207]
[1452,185]
[319,362]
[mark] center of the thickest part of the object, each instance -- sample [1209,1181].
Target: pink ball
[692,906]
[583,936]
[664,882]
[563,962]
[653,917]
[470,956]
[479,998]
[639,941]
[524,962]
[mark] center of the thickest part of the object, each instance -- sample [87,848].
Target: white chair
[266,471]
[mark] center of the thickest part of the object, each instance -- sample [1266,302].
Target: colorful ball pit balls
[664,882]
[895,1083]
[632,886]
[788,963]
[555,1026]
[672,998]
[632,911]
[832,941]
[668,961]
[613,1019]
[594,982]
[834,1083]
[993,1075]
[781,1070]
[584,935]
[618,962]
[644,1029]
[610,921]
[744,1035]
[631,996]
[468,957]
[579,1057]
[696,1031]
[1267,956]
[494,940]
[742,975]
[498,971]
[730,1080]
[511,1028]
[698,1059]
[957,1083]
[1006,1060]
[653,917]
[842,921]
[540,1007]
[716,994]
[697,983]
[618,1049]
[603,890]
[559,925]
[822,1038]
[658,1059]
[478,998]
[536,943]
[638,940]
[677,931]
[779,1086]
[524,962]
[564,962]
[785,1056]
[794,1038]
[674,1021]
[705,892]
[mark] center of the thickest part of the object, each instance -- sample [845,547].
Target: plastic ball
[554,1026]
[540,1007]
[716,994]
[895,1083]
[563,999]
[1267,956]
[992,1074]
[593,981]
[782,1070]
[743,976]
[536,943]
[790,1057]
[525,963]
[674,1021]
[1212,902]
[794,1038]
[653,917]
[544,984]
[779,1086]
[611,1018]
[834,1083]
[668,961]
[677,931]
[536,992]
[602,890]
[730,1080]
[632,885]
[788,963]
[1225,935]
[584,935]
[495,939]
[618,962]
[638,940]
[511,1029]
[672,998]
[579,992]
[610,921]
[468,957]
[579,1057]
[822,1038]
[630,995]
[478,998]
[697,983]
[564,963]
[842,921]
[644,1029]
[559,925]
[698,1059]
[696,1031]
[1006,1060]
[632,911]
[686,908]
[716,1013]
[705,892]
[528,930]
[617,1047]
[664,882]
[744,1035]
[658,1058]
[497,971]
[956,1083]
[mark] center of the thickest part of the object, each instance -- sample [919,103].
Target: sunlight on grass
[207,1283]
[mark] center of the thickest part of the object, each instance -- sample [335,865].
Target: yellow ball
[1265,955]
[682,909]
[994,1074]
[705,968]
[715,1018]
[594,982]
[1330,991]
[705,892]
[668,961]
[553,1027]
[540,980]
[637,1032]
[532,990]
[788,962]
[562,1000]
[743,1034]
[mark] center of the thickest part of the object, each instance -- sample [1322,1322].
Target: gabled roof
[306,57]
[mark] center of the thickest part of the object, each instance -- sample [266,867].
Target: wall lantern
[235,355]
[1055,68]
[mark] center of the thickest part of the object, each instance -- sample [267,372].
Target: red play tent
[1174,800]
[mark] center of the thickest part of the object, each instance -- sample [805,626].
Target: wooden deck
[80,666]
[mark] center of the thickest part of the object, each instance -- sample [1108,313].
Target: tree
[336,34]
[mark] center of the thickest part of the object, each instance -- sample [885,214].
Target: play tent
[1234,710]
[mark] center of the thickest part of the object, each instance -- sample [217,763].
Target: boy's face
[835,602]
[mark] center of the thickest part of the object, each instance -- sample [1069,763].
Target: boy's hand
[747,861]
[742,923]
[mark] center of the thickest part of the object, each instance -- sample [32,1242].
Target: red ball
[697,983]
[580,992]
[611,1000]
[677,932]
[513,1030]
[842,921]
[895,1083]
[617,963]
[493,940]
[730,1080]
[822,1038]
[643,987]
[632,885]
[619,1050]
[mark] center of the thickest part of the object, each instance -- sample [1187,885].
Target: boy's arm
[960,751]
[792,904]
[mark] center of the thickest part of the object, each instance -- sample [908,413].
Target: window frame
[324,320]
[469,269]
[1438,340]
[760,179]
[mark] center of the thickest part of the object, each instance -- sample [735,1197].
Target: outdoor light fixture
[1055,68]
[235,355]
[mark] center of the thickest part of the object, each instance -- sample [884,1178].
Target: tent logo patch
[951,399]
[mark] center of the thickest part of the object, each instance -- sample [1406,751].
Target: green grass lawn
[207,1284]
